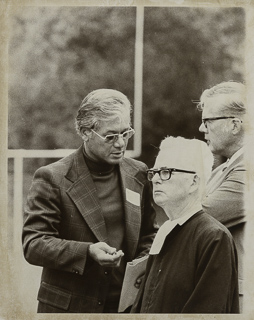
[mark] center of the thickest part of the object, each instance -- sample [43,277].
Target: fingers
[105,255]
[110,260]
[117,257]
[108,249]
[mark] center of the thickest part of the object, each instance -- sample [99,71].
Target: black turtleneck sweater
[107,182]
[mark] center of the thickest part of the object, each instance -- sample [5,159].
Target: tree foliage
[59,54]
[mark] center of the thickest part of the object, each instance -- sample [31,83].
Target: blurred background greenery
[59,54]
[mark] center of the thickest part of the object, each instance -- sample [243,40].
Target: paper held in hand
[134,270]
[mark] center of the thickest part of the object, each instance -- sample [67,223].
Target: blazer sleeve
[226,203]
[42,243]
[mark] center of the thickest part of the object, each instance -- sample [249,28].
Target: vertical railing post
[18,206]
[138,78]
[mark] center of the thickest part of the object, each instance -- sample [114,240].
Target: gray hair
[100,105]
[233,91]
[194,153]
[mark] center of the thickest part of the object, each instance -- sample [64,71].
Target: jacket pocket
[54,296]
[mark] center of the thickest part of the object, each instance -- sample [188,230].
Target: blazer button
[100,303]
[75,271]
[106,273]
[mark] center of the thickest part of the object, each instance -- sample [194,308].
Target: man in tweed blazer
[224,120]
[89,213]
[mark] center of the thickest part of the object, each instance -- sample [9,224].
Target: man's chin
[208,142]
[159,200]
[116,161]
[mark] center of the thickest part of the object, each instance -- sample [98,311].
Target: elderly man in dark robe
[192,267]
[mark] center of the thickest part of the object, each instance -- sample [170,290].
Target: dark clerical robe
[195,271]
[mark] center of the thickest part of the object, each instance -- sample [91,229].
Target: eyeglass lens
[164,174]
[114,137]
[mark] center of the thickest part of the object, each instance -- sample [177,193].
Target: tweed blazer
[224,200]
[63,216]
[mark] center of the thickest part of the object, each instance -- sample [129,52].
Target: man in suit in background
[89,213]
[223,124]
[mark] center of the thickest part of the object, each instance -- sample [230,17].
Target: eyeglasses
[215,118]
[164,173]
[112,138]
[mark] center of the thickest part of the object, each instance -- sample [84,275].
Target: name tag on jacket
[133,197]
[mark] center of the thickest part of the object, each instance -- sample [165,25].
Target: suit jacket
[63,216]
[224,200]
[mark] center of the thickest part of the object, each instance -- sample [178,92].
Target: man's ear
[195,183]
[237,125]
[85,133]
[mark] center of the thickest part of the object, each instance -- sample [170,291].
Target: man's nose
[156,178]
[120,141]
[202,128]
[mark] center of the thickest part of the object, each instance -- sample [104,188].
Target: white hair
[101,105]
[194,155]
[234,94]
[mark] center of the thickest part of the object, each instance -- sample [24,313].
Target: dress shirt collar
[169,225]
[236,155]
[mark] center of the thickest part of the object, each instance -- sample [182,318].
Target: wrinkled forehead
[117,119]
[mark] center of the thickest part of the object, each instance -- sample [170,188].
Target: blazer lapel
[84,194]
[132,194]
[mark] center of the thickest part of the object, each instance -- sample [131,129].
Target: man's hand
[139,281]
[105,255]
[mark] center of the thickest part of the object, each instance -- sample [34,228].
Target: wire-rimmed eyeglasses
[112,138]
[164,173]
[216,118]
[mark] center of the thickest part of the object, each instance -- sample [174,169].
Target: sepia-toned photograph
[127,159]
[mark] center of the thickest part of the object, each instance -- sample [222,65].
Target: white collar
[169,225]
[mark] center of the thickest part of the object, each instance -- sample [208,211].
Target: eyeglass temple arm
[180,170]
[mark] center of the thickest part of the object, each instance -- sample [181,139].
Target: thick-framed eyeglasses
[164,173]
[112,138]
[213,119]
